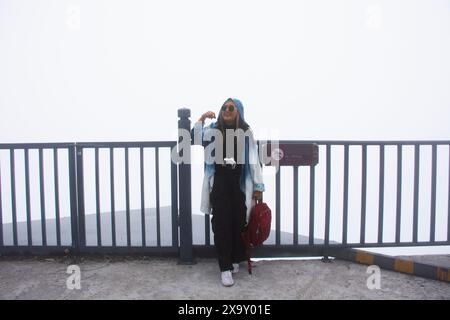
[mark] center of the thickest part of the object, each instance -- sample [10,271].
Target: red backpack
[258,228]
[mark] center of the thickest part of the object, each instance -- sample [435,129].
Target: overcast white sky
[119,70]
[328,69]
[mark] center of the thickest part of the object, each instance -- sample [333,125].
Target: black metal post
[184,150]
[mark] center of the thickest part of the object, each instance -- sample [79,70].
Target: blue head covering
[239,106]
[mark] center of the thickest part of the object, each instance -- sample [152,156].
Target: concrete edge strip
[395,264]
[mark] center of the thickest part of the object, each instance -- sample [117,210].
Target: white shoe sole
[227,285]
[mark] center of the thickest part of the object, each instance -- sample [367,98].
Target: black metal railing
[318,238]
[325,245]
[28,243]
[142,246]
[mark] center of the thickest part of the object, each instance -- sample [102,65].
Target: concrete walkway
[163,278]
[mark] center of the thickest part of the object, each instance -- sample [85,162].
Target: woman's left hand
[257,195]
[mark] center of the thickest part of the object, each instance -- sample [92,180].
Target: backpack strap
[248,246]
[247,252]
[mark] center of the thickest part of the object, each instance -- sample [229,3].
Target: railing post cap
[184,113]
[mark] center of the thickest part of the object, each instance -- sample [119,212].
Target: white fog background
[86,71]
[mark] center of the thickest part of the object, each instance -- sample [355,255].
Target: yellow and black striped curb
[396,264]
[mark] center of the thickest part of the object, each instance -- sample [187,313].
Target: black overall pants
[229,216]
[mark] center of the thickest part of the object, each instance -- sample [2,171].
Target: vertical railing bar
[97,199]
[381,195]
[277,209]
[363,194]
[398,220]
[174,203]
[73,197]
[80,193]
[1,210]
[141,158]
[448,200]
[345,204]
[433,193]
[158,218]
[57,212]
[328,195]
[416,191]
[295,205]
[41,176]
[13,195]
[27,197]
[312,178]
[113,207]
[127,195]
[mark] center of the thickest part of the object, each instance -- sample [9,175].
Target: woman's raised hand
[207,114]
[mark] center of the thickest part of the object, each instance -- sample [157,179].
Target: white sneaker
[227,278]
[235,268]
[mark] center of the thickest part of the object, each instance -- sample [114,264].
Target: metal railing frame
[182,244]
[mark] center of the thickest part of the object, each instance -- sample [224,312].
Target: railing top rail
[367,142]
[138,144]
[132,144]
[126,144]
[45,145]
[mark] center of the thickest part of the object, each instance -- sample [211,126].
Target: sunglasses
[230,108]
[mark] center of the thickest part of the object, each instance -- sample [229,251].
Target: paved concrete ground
[434,260]
[163,278]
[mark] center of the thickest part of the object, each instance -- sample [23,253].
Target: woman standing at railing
[230,183]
